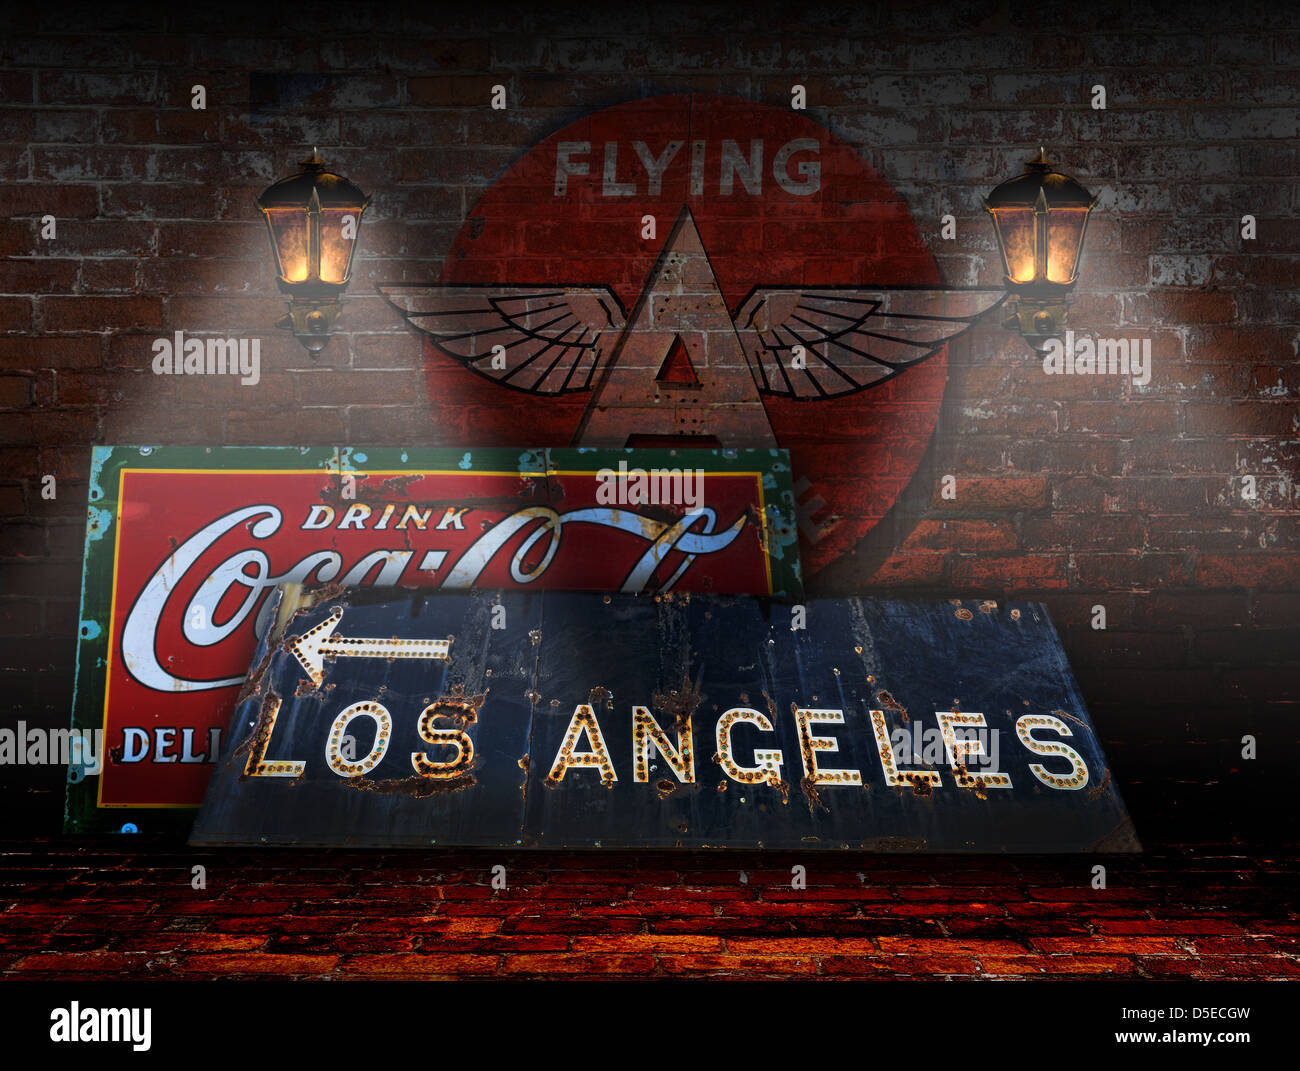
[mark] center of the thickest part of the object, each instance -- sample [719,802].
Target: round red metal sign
[745,248]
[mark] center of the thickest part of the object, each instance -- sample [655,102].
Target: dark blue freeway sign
[555,719]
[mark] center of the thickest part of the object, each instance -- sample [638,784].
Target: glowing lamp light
[1039,218]
[313,218]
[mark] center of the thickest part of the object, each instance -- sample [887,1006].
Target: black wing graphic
[550,338]
[852,338]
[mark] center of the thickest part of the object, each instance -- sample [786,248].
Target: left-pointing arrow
[312,647]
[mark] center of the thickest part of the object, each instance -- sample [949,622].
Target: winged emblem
[803,342]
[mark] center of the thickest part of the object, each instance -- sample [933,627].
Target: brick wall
[1078,492]
[84,911]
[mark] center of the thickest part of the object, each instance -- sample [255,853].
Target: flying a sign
[708,270]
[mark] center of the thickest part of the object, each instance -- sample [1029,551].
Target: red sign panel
[185,545]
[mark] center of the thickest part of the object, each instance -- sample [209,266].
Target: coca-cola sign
[185,544]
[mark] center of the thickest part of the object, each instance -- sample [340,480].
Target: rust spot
[988,606]
[665,788]
[722,785]
[963,614]
[416,787]
[890,703]
[1069,717]
[254,680]
[1096,791]
[813,797]
[921,786]
[261,733]
[679,704]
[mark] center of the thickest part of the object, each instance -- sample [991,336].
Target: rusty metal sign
[184,546]
[675,720]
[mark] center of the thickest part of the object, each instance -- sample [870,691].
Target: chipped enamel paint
[170,551]
[595,721]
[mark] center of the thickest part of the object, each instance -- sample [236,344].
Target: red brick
[421,965]
[1274,418]
[893,966]
[962,535]
[740,966]
[15,392]
[15,314]
[259,963]
[1021,965]
[46,353]
[1127,945]
[103,964]
[1129,571]
[87,313]
[1221,967]
[1270,569]
[545,965]
[1168,306]
[1009,573]
[992,493]
[804,946]
[919,569]
[657,944]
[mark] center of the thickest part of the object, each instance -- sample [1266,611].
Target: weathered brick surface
[82,911]
[1079,491]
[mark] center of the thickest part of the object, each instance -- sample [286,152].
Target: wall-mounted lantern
[313,218]
[1040,218]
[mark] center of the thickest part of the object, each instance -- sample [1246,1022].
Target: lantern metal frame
[1040,307]
[314,302]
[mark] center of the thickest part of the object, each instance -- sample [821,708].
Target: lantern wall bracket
[1037,321]
[312,322]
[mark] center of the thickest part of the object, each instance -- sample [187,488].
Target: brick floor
[88,909]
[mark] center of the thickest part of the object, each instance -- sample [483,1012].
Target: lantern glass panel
[289,236]
[1064,240]
[336,250]
[1015,227]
